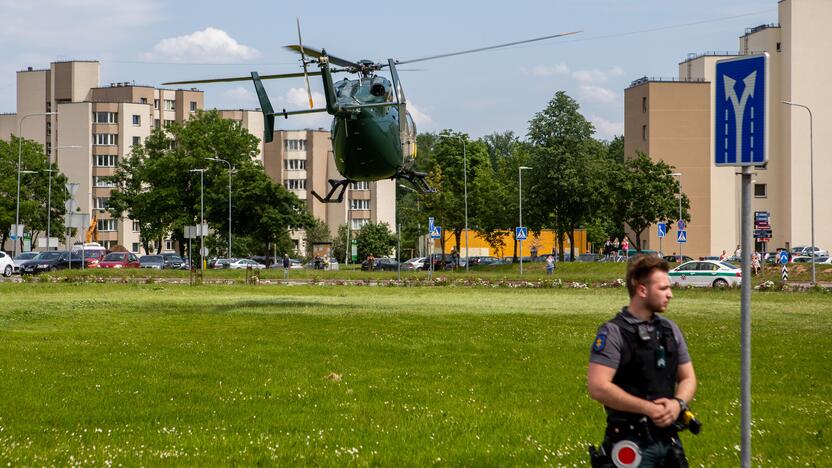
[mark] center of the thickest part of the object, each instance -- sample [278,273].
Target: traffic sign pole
[745,319]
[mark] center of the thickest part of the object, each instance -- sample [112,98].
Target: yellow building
[543,243]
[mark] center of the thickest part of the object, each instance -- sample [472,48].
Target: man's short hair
[640,268]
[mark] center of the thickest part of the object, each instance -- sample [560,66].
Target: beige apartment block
[797,48]
[104,122]
[301,160]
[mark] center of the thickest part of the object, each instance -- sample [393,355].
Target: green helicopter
[373,135]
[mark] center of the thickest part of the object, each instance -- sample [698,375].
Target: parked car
[50,261]
[706,273]
[805,259]
[675,258]
[485,260]
[710,257]
[223,262]
[382,264]
[173,260]
[119,260]
[587,257]
[294,264]
[22,258]
[244,264]
[93,253]
[415,263]
[807,252]
[7,266]
[440,262]
[156,262]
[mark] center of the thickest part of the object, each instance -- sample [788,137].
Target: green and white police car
[706,273]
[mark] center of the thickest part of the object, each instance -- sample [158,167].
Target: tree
[339,243]
[644,195]
[34,190]
[567,185]
[375,239]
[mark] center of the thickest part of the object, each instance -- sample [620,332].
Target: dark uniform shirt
[606,349]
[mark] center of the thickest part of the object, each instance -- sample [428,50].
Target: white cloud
[606,129]
[420,118]
[597,76]
[299,98]
[597,94]
[546,70]
[239,94]
[210,45]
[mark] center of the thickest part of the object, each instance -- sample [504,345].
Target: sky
[152,41]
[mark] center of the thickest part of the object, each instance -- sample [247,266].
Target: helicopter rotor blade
[318,54]
[481,49]
[242,78]
[305,69]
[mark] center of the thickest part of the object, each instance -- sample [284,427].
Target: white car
[414,263]
[245,263]
[706,273]
[7,266]
[807,252]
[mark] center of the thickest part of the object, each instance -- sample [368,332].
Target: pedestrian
[723,256]
[607,249]
[550,265]
[641,371]
[738,254]
[285,266]
[755,263]
[615,246]
[625,246]
[533,252]
[371,262]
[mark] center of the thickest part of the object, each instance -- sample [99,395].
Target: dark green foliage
[376,240]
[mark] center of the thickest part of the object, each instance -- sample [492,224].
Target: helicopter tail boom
[265,106]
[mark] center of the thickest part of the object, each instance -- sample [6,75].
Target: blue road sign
[436,232]
[740,111]
[681,236]
[662,230]
[681,224]
[784,257]
[522,233]
[430,224]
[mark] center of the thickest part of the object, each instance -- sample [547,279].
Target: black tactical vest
[640,371]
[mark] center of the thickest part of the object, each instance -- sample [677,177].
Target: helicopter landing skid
[338,186]
[417,179]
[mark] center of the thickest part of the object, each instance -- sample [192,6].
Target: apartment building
[672,120]
[104,122]
[301,160]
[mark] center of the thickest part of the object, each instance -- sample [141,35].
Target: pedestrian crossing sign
[682,237]
[436,233]
[522,233]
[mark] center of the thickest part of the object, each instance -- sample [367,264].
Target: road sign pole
[745,319]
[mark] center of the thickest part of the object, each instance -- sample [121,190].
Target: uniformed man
[640,370]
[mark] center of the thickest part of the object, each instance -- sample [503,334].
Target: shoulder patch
[600,343]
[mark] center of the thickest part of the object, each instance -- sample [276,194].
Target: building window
[106,160]
[105,117]
[104,139]
[98,181]
[295,164]
[760,191]
[107,244]
[778,47]
[296,184]
[137,141]
[135,247]
[155,103]
[100,203]
[363,185]
[193,106]
[136,226]
[644,104]
[137,120]
[168,244]
[356,224]
[168,123]
[107,225]
[295,145]
[170,104]
[644,132]
[359,204]
[143,100]
[157,123]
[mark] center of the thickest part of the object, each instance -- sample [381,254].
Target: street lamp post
[49,197]
[811,182]
[19,163]
[520,206]
[465,191]
[679,175]
[230,170]
[202,218]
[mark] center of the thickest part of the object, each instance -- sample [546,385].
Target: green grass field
[214,375]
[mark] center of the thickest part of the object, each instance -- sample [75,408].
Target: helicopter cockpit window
[411,126]
[377,89]
[345,88]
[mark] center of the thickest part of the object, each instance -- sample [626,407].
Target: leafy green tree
[34,190]
[339,243]
[375,239]
[644,195]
